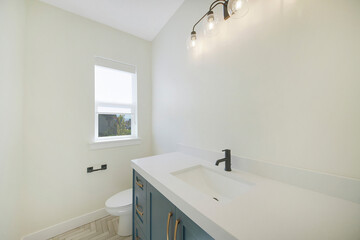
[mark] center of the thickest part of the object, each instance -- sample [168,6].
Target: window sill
[114,143]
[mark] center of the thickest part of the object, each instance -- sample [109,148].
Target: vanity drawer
[139,206]
[138,233]
[139,183]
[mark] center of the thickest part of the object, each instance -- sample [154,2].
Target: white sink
[221,187]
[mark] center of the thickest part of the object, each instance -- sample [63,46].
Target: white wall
[280,85]
[12,15]
[59,115]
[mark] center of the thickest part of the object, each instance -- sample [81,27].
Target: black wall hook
[91,169]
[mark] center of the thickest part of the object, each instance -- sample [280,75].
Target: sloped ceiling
[142,18]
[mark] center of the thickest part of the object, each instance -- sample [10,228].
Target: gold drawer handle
[176,227]
[139,184]
[138,211]
[168,223]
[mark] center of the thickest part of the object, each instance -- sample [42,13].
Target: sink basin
[220,187]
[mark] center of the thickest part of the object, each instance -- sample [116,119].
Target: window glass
[113,86]
[115,101]
[111,125]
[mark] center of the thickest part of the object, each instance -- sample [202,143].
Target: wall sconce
[230,8]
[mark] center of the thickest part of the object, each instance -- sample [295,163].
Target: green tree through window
[114,125]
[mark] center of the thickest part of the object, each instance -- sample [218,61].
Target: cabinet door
[189,230]
[161,216]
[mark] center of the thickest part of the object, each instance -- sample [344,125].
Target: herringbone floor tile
[102,229]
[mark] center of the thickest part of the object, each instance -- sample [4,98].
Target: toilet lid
[120,199]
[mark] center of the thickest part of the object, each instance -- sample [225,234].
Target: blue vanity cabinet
[161,216]
[186,229]
[156,218]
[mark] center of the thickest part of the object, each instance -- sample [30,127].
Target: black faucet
[227,160]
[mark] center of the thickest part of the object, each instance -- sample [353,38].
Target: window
[115,101]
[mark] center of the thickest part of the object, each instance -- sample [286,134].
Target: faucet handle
[227,153]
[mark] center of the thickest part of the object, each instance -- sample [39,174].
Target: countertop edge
[205,223]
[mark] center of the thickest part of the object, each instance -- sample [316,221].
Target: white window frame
[114,108]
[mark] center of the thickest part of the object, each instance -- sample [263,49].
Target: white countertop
[270,210]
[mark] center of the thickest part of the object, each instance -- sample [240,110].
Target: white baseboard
[66,226]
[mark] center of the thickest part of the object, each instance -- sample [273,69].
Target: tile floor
[102,229]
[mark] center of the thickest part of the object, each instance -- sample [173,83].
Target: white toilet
[121,205]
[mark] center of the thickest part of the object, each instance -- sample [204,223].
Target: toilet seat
[121,201]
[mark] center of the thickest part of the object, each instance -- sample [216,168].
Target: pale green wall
[59,113]
[12,15]
[280,85]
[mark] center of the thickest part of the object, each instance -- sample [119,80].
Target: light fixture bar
[193,29]
[217,2]
[225,5]
[226,11]
[212,6]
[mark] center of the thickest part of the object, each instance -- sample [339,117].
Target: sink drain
[215,199]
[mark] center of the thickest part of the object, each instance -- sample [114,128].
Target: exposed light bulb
[193,43]
[210,16]
[238,4]
[192,40]
[231,8]
[210,24]
[210,20]
[238,8]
